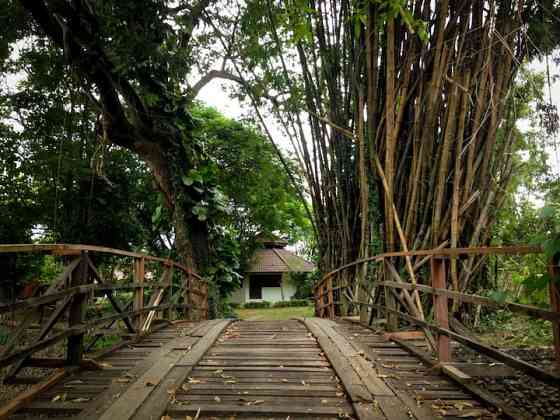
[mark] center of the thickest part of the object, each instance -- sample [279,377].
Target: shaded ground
[539,400]
[275,314]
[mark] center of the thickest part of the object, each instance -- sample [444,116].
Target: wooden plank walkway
[309,368]
[87,393]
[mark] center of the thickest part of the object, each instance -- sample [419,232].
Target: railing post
[316,295]
[554,292]
[363,292]
[205,299]
[437,266]
[330,297]
[76,315]
[138,304]
[322,299]
[188,311]
[171,310]
[390,302]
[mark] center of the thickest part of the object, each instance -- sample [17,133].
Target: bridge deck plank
[316,368]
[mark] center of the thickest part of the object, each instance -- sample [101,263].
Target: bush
[257,305]
[228,310]
[292,303]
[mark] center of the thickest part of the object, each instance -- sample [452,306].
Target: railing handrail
[71,291]
[441,252]
[326,304]
[62,248]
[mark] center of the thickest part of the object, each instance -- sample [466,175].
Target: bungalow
[267,278]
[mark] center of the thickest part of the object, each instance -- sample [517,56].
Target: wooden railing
[160,288]
[383,293]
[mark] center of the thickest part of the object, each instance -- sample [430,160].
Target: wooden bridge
[171,361]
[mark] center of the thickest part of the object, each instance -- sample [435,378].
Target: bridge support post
[390,302]
[138,304]
[171,310]
[76,316]
[554,292]
[188,283]
[441,307]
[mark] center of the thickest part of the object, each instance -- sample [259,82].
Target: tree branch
[211,75]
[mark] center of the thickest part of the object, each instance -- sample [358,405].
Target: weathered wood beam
[514,362]
[109,293]
[532,311]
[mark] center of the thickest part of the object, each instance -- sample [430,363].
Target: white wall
[270,294]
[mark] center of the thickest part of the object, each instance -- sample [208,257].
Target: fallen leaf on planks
[60,397]
[256,402]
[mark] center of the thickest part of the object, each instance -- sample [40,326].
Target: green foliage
[50,269]
[4,335]
[257,305]
[504,329]
[521,220]
[105,342]
[223,269]
[304,284]
[292,303]
[257,193]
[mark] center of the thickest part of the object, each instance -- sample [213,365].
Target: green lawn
[274,314]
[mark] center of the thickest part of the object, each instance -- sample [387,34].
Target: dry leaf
[151,383]
[188,418]
[285,380]
[462,405]
[60,397]
[105,365]
[79,400]
[217,399]
[230,382]
[472,414]
[193,381]
[77,381]
[340,394]
[122,380]
[256,402]
[324,401]
[165,417]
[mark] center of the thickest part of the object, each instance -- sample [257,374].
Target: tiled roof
[278,260]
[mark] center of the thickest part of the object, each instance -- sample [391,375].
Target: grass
[505,330]
[275,314]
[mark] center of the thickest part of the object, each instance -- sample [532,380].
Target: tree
[400,102]
[132,67]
